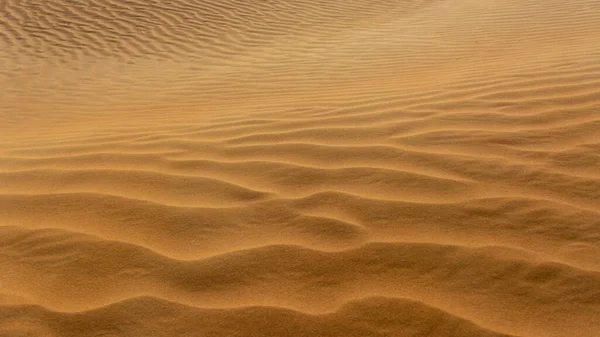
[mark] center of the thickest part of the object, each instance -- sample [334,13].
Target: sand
[300,168]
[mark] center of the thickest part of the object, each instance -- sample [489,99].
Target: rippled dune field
[299,168]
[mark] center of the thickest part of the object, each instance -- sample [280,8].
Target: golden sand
[299,168]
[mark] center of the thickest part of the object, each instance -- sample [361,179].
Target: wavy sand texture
[300,168]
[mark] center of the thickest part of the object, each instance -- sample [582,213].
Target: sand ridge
[299,168]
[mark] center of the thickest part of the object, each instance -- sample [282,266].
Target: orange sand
[300,168]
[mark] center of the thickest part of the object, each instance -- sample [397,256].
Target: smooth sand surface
[299,168]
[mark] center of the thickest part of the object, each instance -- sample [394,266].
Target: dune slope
[300,168]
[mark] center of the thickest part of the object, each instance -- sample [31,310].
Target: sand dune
[299,168]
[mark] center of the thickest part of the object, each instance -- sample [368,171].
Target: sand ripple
[299,168]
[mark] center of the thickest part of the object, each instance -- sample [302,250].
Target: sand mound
[299,168]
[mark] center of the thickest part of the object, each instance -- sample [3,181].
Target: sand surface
[299,168]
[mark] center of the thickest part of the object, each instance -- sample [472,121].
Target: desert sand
[299,168]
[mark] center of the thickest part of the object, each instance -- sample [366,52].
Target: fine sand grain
[299,168]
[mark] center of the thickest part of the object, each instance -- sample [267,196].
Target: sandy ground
[299,168]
